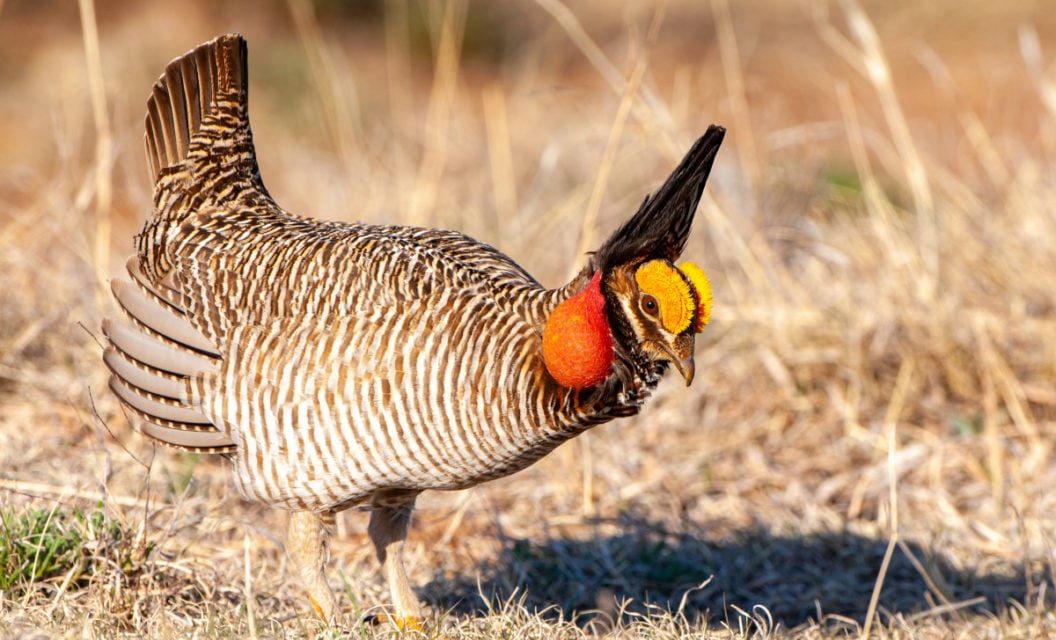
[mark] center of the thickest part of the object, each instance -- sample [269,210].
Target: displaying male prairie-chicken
[341,364]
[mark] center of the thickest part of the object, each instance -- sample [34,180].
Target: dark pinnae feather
[661,226]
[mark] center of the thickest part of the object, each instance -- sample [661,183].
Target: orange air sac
[577,341]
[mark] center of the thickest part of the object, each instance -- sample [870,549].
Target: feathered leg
[388,530]
[307,546]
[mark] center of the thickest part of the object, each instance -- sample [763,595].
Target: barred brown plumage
[340,364]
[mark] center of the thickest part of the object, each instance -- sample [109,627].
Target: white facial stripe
[631,313]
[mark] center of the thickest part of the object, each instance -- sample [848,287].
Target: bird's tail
[204,88]
[198,141]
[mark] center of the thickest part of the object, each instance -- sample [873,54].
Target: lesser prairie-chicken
[340,364]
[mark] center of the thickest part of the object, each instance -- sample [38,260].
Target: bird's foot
[402,623]
[319,609]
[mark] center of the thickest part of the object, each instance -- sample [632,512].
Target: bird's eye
[650,305]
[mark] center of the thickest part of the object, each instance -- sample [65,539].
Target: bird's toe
[402,623]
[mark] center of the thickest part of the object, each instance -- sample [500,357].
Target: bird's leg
[388,529]
[307,546]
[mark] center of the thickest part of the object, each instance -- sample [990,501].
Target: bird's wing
[151,356]
[472,255]
[235,268]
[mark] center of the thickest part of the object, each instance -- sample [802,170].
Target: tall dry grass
[866,450]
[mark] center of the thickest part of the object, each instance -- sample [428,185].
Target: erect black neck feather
[661,225]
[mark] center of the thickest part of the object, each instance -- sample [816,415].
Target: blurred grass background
[867,448]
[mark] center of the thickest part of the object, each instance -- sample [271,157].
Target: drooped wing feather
[151,357]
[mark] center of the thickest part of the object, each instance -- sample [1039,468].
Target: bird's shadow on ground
[825,577]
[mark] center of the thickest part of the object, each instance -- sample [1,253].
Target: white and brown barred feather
[330,360]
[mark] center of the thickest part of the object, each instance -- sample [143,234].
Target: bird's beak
[681,353]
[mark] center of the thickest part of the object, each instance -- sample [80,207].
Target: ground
[867,448]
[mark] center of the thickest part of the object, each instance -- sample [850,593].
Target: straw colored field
[868,446]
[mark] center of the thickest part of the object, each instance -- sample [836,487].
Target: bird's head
[662,307]
[636,301]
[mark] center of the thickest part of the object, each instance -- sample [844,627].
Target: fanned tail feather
[195,86]
[199,145]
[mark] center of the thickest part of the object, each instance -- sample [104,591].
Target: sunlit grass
[879,231]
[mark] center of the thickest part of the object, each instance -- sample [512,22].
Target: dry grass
[880,232]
